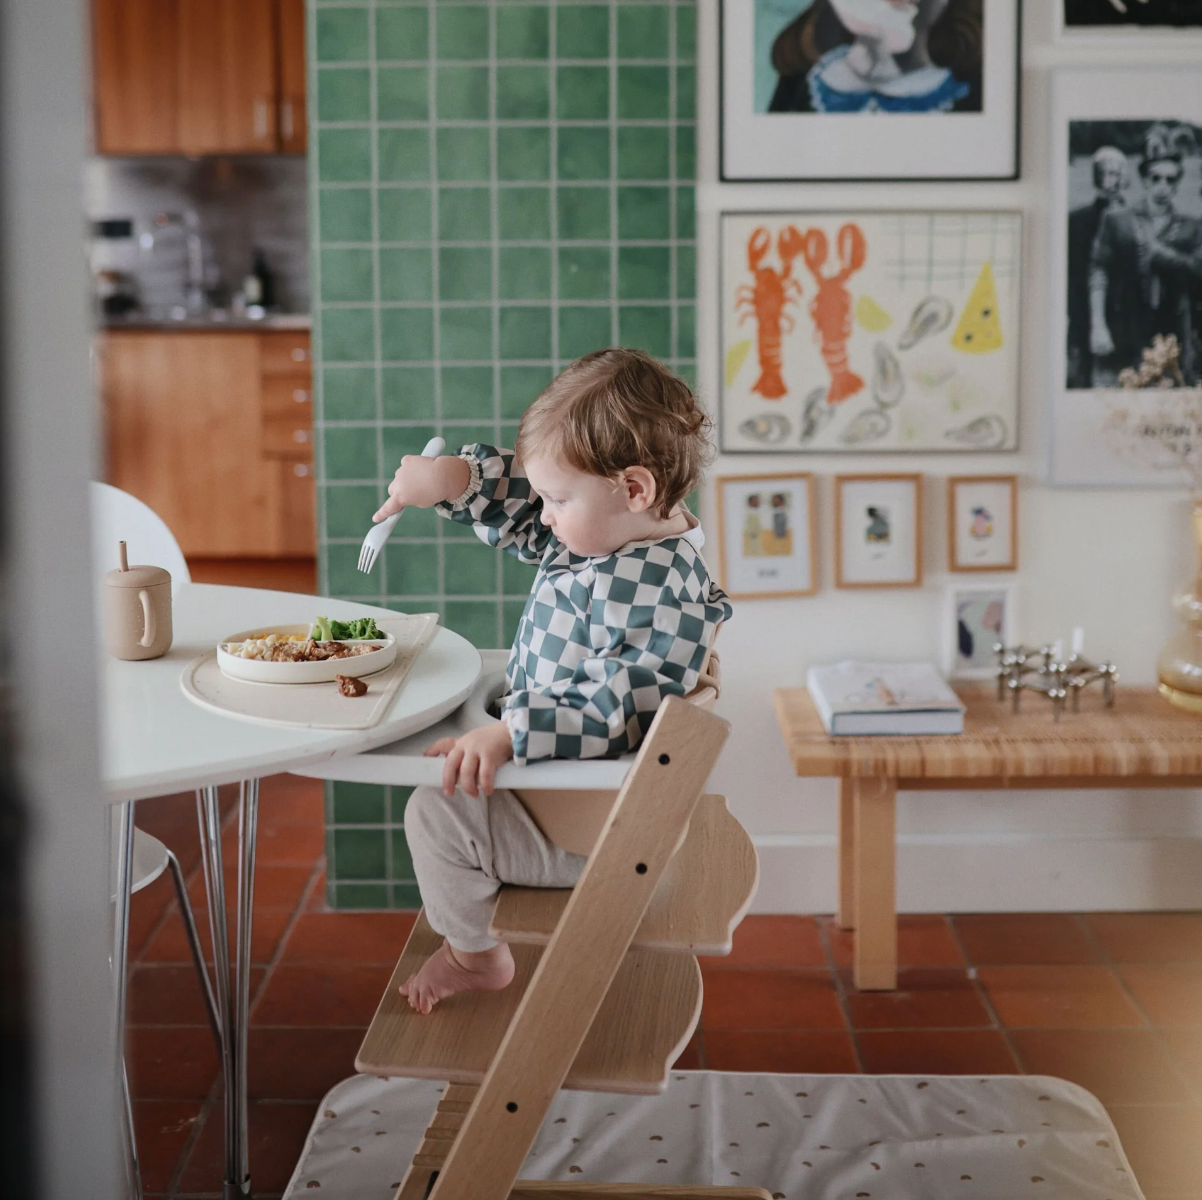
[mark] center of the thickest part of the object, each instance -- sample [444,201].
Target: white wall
[1105,559]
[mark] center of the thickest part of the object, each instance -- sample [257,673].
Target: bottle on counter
[259,286]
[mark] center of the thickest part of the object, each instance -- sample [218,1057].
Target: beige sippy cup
[137,611]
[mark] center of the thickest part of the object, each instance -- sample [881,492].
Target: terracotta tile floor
[1111,1001]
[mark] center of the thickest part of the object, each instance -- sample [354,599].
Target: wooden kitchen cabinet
[192,422]
[136,76]
[290,39]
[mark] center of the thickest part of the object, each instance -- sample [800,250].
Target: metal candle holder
[1041,669]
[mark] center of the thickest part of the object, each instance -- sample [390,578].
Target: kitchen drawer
[284,354]
[290,438]
[287,399]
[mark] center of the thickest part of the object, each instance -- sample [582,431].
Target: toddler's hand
[473,759]
[422,482]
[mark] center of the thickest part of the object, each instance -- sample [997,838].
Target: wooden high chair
[607,990]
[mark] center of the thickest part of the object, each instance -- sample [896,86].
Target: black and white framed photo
[1114,18]
[869,89]
[976,617]
[878,531]
[982,523]
[767,535]
[1127,252]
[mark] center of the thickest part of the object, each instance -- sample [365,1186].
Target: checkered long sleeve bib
[602,640]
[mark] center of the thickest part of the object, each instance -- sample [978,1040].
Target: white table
[156,741]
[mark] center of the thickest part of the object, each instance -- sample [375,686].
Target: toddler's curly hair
[618,408]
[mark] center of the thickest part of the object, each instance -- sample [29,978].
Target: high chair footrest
[704,892]
[529,1189]
[649,1014]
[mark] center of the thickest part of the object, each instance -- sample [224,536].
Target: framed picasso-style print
[982,523]
[976,617]
[1118,18]
[878,531]
[1127,247]
[766,536]
[869,89]
[869,332]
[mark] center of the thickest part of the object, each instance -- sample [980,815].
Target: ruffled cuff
[517,720]
[474,483]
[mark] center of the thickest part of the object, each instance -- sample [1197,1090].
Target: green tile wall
[498,188]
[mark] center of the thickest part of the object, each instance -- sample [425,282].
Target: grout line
[985,998]
[840,991]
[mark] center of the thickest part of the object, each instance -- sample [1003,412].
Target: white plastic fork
[374,542]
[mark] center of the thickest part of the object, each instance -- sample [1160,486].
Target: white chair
[119,517]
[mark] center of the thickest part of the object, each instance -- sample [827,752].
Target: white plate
[255,670]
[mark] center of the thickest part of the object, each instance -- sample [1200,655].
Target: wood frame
[811,525]
[1008,633]
[900,477]
[954,481]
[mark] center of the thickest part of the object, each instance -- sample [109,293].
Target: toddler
[620,615]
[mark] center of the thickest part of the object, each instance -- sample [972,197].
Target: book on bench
[866,698]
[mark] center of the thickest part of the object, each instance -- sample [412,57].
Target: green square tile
[463,154]
[465,334]
[350,452]
[644,273]
[343,94]
[686,331]
[686,272]
[686,212]
[402,94]
[583,330]
[344,214]
[643,152]
[523,93]
[407,394]
[397,442]
[343,575]
[348,508]
[410,569]
[398,797]
[402,33]
[348,335]
[686,152]
[582,31]
[509,435]
[524,214]
[358,803]
[346,275]
[462,93]
[584,213]
[583,152]
[464,215]
[686,31]
[646,328]
[343,155]
[582,93]
[358,897]
[470,569]
[404,154]
[406,274]
[360,854]
[686,92]
[584,273]
[462,435]
[525,333]
[643,93]
[475,620]
[524,273]
[404,214]
[523,153]
[644,213]
[522,31]
[516,577]
[464,273]
[342,35]
[688,372]
[402,860]
[511,614]
[643,30]
[406,334]
[520,387]
[405,897]
[348,393]
[462,31]
[467,393]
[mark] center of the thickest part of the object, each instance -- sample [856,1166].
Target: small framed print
[766,536]
[975,618]
[982,523]
[878,531]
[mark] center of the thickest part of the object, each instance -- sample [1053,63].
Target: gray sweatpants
[464,849]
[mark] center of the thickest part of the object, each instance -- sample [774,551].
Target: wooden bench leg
[846,916]
[875,803]
[436,1145]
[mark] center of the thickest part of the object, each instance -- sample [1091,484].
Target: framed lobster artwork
[866,332]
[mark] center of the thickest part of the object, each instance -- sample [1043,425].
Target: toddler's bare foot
[448,971]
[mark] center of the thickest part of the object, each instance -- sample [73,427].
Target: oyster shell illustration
[815,413]
[768,428]
[869,426]
[932,373]
[983,433]
[928,318]
[888,383]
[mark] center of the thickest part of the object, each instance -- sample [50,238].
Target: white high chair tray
[802,1137]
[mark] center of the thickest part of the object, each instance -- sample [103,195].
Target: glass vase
[1180,665]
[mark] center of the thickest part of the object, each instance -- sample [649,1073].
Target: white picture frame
[767,527]
[878,531]
[975,617]
[982,523]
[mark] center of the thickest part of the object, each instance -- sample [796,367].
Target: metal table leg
[232,994]
[124,815]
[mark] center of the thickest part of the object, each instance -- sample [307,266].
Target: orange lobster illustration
[831,307]
[773,292]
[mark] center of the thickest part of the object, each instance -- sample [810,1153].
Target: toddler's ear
[640,489]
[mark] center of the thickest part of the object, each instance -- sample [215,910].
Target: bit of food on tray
[274,648]
[349,685]
[325,629]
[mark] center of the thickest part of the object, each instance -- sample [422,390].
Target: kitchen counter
[210,324]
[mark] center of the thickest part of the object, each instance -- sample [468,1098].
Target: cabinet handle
[286,128]
[300,395]
[261,116]
[299,354]
[303,470]
[300,435]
